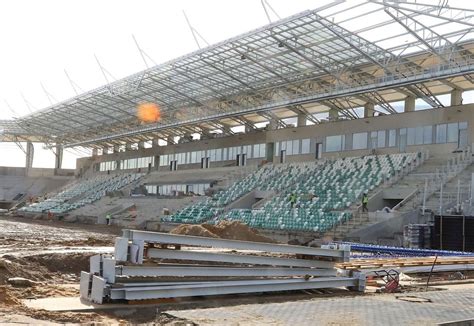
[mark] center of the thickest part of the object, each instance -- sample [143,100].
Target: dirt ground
[52,255]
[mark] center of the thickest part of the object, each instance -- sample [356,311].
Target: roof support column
[155,142]
[30,151]
[333,114]
[301,120]
[169,140]
[273,125]
[369,110]
[409,104]
[456,97]
[141,144]
[116,148]
[95,152]
[58,157]
[128,147]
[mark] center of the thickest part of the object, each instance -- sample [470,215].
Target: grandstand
[326,104]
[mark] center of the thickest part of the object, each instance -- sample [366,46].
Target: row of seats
[324,190]
[81,193]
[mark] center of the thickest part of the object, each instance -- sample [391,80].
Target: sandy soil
[52,254]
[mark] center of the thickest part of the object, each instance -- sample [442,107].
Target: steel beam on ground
[190,271]
[236,259]
[166,238]
[232,287]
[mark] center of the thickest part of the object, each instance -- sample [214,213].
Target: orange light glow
[148,112]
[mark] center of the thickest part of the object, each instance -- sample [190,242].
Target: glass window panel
[381,139]
[419,135]
[462,125]
[334,143]
[296,147]
[277,147]
[441,133]
[427,134]
[411,136]
[452,132]
[289,147]
[359,140]
[392,138]
[305,146]
[256,150]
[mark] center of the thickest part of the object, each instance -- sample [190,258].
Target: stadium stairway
[415,181]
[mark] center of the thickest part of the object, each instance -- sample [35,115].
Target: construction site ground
[52,254]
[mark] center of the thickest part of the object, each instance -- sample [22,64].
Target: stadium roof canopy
[339,56]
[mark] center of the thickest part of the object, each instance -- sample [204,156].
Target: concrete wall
[36,172]
[316,133]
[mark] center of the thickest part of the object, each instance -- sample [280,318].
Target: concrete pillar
[369,110]
[456,97]
[409,104]
[116,148]
[58,159]
[141,144]
[30,153]
[155,142]
[170,140]
[273,125]
[333,114]
[301,120]
[128,147]
[105,150]
[95,152]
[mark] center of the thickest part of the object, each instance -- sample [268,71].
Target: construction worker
[365,201]
[107,218]
[293,200]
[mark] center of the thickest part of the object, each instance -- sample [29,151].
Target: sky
[42,39]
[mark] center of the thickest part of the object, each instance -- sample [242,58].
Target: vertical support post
[301,120]
[30,151]
[456,97]
[441,216]
[58,157]
[369,110]
[458,202]
[409,104]
[424,196]
[471,199]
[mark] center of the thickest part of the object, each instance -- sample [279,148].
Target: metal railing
[435,182]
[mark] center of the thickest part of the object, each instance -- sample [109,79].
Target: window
[392,138]
[419,136]
[427,134]
[381,139]
[441,133]
[411,134]
[296,147]
[305,146]
[453,132]
[359,140]
[249,151]
[289,147]
[334,143]
[277,148]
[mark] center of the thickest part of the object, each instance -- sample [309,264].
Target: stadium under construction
[333,144]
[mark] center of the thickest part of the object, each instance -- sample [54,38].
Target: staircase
[436,170]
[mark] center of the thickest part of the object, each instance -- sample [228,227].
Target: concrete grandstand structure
[330,103]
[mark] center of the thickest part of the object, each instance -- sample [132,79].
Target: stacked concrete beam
[268,267]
